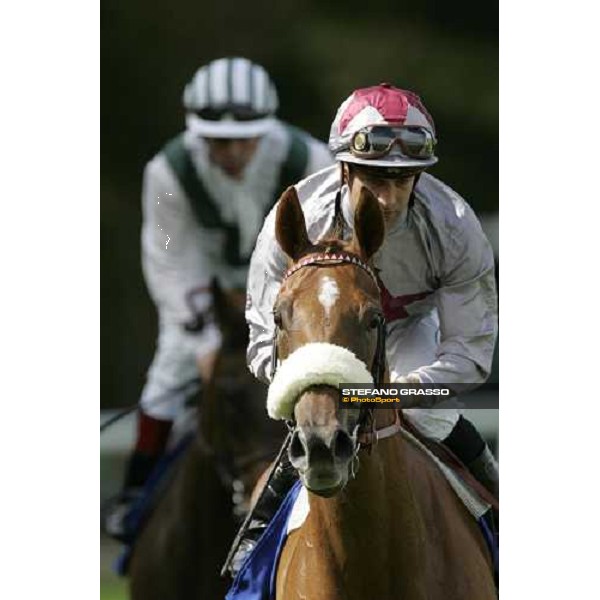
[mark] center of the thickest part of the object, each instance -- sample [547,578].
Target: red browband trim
[332,259]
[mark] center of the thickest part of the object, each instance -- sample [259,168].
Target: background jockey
[436,269]
[205,197]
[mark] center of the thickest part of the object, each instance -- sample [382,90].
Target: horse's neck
[397,530]
[373,529]
[369,505]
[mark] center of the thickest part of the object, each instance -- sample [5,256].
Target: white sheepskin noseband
[312,364]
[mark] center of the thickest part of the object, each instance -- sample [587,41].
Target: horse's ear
[369,227]
[290,226]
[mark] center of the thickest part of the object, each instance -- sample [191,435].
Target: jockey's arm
[468,312]
[176,269]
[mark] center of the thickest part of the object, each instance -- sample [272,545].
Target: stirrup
[278,485]
[246,546]
[113,514]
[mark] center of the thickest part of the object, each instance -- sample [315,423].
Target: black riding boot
[468,445]
[115,509]
[140,465]
[269,501]
[151,442]
[466,442]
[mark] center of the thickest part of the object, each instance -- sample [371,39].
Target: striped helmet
[382,104]
[230,98]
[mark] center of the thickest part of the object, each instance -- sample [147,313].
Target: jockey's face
[393,194]
[232,156]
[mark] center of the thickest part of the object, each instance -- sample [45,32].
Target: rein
[370,438]
[367,435]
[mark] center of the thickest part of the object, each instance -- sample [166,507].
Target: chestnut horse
[394,529]
[180,550]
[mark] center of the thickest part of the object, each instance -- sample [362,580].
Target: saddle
[447,457]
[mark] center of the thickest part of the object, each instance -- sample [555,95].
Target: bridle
[365,431]
[330,259]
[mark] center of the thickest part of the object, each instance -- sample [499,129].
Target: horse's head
[329,331]
[232,426]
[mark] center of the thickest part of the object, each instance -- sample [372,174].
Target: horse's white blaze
[328,293]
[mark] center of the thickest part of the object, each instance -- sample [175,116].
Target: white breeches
[174,370]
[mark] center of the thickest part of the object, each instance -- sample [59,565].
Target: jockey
[205,197]
[436,271]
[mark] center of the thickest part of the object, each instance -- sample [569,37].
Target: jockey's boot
[152,438]
[267,504]
[485,470]
[466,442]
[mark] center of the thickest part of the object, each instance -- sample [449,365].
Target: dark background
[317,52]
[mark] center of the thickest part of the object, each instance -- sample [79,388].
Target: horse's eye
[374,320]
[277,318]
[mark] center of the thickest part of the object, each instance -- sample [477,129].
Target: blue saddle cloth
[256,578]
[142,508]
[491,539]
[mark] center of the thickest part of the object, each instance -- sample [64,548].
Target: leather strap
[368,438]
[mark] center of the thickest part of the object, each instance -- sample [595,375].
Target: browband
[324,258]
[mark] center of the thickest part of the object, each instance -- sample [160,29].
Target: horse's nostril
[343,447]
[297,450]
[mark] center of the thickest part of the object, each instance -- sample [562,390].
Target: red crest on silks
[394,307]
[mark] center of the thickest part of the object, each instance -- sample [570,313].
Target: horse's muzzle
[322,458]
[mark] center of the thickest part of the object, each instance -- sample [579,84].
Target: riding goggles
[379,140]
[237,113]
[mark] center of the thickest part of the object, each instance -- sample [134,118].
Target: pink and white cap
[381,104]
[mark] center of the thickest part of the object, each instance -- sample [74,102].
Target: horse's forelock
[331,246]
